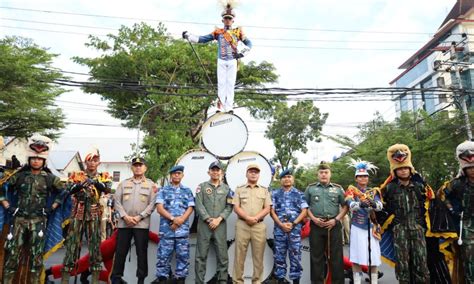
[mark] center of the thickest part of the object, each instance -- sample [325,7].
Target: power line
[213,24]
[256,45]
[253,38]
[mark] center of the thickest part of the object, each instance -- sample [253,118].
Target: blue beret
[177,168]
[286,173]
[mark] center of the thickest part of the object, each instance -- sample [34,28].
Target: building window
[116,176]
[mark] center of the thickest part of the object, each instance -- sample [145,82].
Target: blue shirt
[176,200]
[288,204]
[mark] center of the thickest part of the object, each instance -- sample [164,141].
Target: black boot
[280,281]
[296,281]
[180,280]
[118,280]
[160,280]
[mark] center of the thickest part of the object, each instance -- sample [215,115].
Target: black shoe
[118,280]
[180,280]
[230,112]
[217,111]
[159,280]
[140,281]
[280,281]
[296,281]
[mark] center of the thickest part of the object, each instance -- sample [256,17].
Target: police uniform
[133,198]
[85,217]
[175,200]
[288,205]
[251,199]
[212,202]
[30,217]
[324,201]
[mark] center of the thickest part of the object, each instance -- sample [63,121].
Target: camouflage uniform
[85,219]
[176,200]
[29,226]
[288,206]
[212,202]
[406,205]
[460,197]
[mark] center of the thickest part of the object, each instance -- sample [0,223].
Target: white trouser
[226,76]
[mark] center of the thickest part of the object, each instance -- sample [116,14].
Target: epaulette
[335,184]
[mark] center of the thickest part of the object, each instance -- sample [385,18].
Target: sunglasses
[228,18]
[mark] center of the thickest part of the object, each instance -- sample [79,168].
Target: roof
[459,9]
[61,159]
[111,149]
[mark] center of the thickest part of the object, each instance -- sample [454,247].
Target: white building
[420,72]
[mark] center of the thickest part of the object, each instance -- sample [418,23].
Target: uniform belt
[259,220]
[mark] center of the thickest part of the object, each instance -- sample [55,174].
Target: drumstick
[460,230]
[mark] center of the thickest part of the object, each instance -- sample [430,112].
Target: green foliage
[145,56]
[292,128]
[432,141]
[26,93]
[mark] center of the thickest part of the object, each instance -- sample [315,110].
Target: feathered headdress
[228,6]
[362,168]
[399,156]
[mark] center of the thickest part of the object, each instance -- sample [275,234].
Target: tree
[432,140]
[291,128]
[142,67]
[26,91]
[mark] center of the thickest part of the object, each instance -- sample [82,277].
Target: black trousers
[124,238]
[319,239]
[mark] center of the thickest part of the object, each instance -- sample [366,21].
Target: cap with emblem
[253,166]
[138,160]
[177,168]
[215,164]
[324,166]
[287,172]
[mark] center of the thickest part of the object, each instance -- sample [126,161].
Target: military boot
[296,281]
[65,277]
[95,277]
[180,280]
[35,277]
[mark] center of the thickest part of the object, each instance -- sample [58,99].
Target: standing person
[404,196]
[134,202]
[174,203]
[288,211]
[213,206]
[362,200]
[106,219]
[227,53]
[458,195]
[327,207]
[251,204]
[31,195]
[86,188]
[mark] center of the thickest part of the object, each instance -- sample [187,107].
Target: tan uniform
[135,198]
[106,216]
[252,200]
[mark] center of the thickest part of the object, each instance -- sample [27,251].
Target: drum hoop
[195,150]
[208,121]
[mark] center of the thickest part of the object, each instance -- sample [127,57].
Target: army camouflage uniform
[288,205]
[29,225]
[175,200]
[460,197]
[85,220]
[212,202]
[406,203]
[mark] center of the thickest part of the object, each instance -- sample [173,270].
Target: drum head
[196,164]
[237,169]
[224,135]
[248,268]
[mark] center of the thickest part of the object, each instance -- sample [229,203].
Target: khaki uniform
[252,200]
[133,198]
[324,202]
[106,216]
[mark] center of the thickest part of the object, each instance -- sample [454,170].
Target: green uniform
[460,196]
[32,191]
[85,221]
[324,202]
[406,205]
[212,202]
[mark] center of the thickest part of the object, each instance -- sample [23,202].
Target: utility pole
[456,65]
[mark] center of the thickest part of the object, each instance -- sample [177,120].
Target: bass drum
[224,135]
[196,164]
[248,268]
[237,168]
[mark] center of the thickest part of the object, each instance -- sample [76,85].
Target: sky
[312,43]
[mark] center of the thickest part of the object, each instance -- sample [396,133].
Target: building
[431,65]
[66,162]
